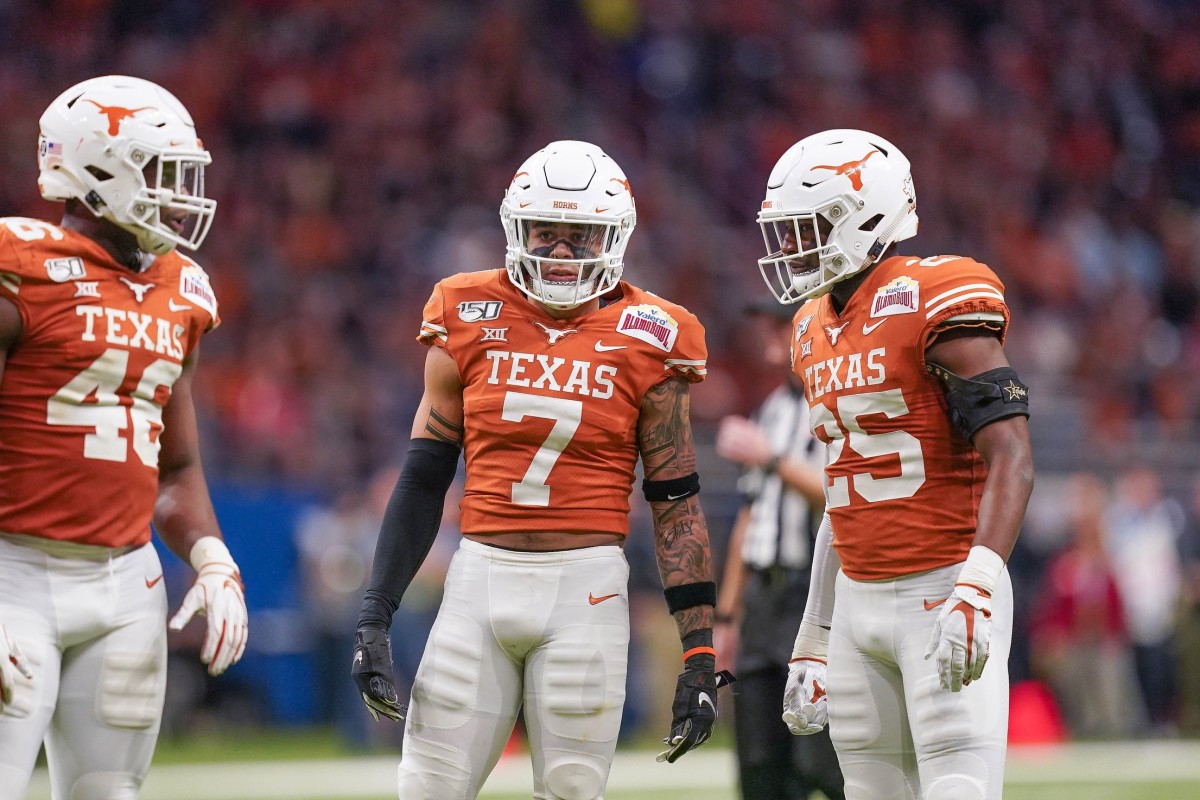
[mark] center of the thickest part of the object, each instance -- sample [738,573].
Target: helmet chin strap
[885,238]
[877,249]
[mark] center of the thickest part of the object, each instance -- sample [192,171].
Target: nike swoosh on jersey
[931,606]
[594,600]
[151,583]
[180,307]
[868,328]
[603,348]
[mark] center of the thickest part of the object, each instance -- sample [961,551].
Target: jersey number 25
[901,444]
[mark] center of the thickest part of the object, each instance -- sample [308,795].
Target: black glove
[372,673]
[694,711]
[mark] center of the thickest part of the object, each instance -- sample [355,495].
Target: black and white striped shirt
[782,523]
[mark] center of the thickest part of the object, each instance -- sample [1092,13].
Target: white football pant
[899,735]
[549,631]
[92,624]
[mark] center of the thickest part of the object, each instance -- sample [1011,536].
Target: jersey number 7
[567,414]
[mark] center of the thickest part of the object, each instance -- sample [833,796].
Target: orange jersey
[552,405]
[902,484]
[85,383]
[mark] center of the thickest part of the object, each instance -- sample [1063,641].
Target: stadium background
[360,153]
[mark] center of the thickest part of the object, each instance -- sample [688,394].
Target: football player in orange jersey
[928,473]
[553,375]
[100,319]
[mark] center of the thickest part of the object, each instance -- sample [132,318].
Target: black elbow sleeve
[410,524]
[983,399]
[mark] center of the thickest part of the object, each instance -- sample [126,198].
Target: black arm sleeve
[410,524]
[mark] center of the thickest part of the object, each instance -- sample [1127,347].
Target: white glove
[217,594]
[12,660]
[963,630]
[961,636]
[805,708]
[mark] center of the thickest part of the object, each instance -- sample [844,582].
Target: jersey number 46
[105,414]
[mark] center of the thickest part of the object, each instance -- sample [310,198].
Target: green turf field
[308,765]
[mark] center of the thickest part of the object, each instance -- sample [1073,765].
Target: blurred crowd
[361,151]
[1106,579]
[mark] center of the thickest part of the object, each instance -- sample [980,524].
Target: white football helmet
[860,184]
[98,140]
[568,183]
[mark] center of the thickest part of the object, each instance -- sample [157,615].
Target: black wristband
[671,490]
[690,595]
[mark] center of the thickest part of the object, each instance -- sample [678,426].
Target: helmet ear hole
[871,224]
[99,174]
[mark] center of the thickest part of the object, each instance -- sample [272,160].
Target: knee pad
[955,787]
[572,780]
[132,685]
[105,786]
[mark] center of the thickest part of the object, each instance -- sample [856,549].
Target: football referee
[766,577]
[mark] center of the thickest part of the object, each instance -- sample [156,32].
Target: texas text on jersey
[87,380]
[894,456]
[582,379]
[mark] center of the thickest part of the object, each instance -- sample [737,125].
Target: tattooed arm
[440,415]
[680,532]
[681,548]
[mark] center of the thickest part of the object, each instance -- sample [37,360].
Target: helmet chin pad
[592,279]
[564,295]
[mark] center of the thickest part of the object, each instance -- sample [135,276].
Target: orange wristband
[699,651]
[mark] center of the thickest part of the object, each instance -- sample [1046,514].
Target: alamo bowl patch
[650,324]
[900,295]
[194,286]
